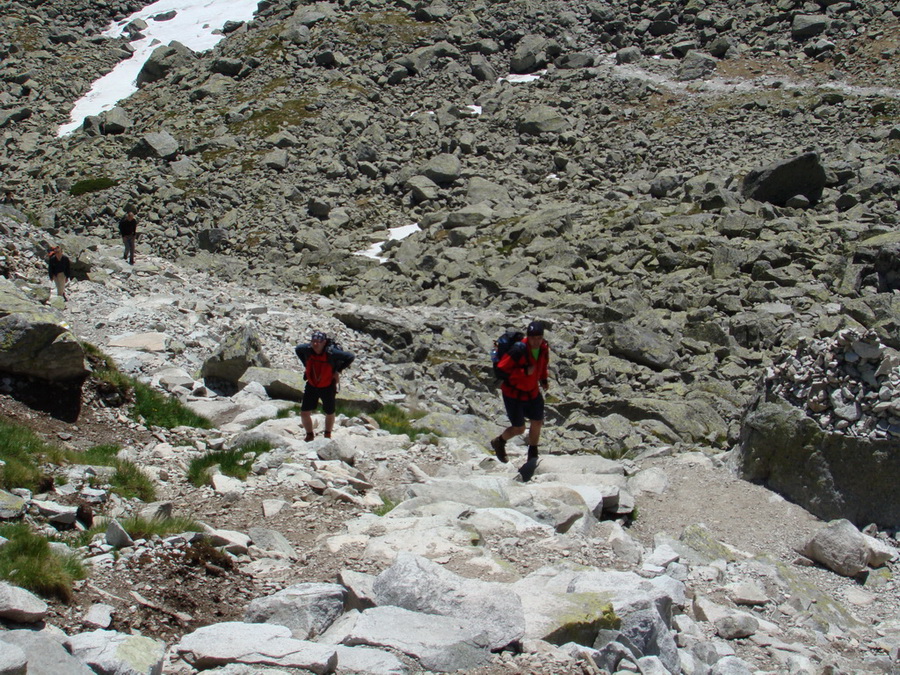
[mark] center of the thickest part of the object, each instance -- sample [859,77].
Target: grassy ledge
[392,418]
[27,560]
[151,407]
[235,463]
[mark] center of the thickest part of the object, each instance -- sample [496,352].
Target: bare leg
[306,419]
[329,425]
[512,432]
[534,432]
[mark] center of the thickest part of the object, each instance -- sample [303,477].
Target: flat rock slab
[256,644]
[148,342]
[440,643]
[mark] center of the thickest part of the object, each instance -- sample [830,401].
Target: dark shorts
[517,411]
[312,395]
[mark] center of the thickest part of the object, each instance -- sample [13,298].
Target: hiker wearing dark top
[128,230]
[59,269]
[323,361]
[525,374]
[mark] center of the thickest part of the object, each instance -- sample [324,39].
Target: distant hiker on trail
[524,369]
[128,230]
[9,199]
[324,361]
[59,269]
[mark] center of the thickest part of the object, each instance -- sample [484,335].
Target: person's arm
[544,376]
[341,359]
[302,352]
[512,361]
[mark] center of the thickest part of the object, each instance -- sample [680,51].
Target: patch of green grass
[235,463]
[159,410]
[387,505]
[151,407]
[26,560]
[393,28]
[22,453]
[616,453]
[28,37]
[392,418]
[99,455]
[128,481]
[92,185]
[269,120]
[284,413]
[211,156]
[144,528]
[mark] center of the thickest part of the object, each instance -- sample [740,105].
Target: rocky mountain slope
[606,195]
[686,193]
[718,553]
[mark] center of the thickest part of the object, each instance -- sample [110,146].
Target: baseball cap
[535,328]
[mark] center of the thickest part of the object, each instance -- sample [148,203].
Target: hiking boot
[499,447]
[528,468]
[309,437]
[327,434]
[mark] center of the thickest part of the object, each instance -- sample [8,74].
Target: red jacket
[519,384]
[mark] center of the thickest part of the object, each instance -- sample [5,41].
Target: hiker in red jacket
[324,361]
[525,370]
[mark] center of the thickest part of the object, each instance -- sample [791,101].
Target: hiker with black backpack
[522,365]
[323,360]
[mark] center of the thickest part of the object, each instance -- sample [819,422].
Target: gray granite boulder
[13,660]
[779,181]
[156,145]
[253,644]
[840,547]
[831,475]
[420,585]
[45,653]
[19,605]
[34,340]
[439,643]
[239,351]
[542,119]
[107,651]
[163,61]
[308,609]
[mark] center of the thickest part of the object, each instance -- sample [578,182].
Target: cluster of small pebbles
[850,384]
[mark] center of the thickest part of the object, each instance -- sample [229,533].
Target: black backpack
[502,346]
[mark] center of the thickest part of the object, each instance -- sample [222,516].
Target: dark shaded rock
[159,144]
[831,475]
[781,180]
[33,340]
[806,26]
[212,239]
[639,345]
[238,352]
[163,61]
[394,333]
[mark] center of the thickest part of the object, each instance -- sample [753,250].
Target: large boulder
[777,182]
[108,651]
[308,609]
[542,119]
[45,653]
[164,60]
[830,474]
[157,145]
[420,585]
[19,605]
[34,341]
[237,352]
